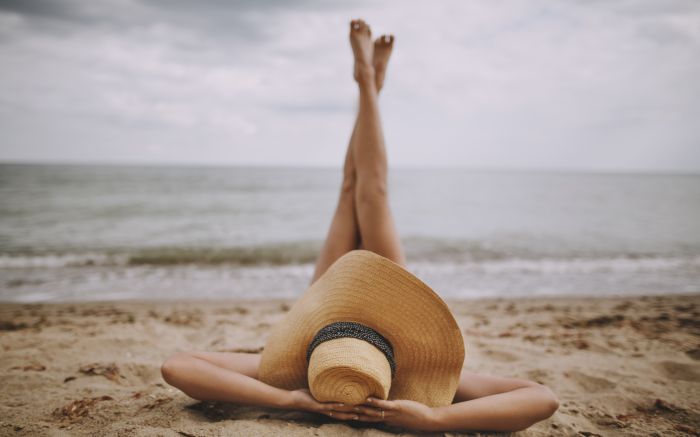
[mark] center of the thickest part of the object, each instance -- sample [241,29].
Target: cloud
[542,84]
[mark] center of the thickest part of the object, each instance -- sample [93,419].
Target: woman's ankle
[365,76]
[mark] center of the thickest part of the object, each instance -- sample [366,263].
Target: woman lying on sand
[368,341]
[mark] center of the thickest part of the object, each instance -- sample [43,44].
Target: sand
[620,366]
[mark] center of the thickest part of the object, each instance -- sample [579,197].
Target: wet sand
[620,366]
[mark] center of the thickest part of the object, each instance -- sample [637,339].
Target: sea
[109,232]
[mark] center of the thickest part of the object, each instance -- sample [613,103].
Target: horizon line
[516,169]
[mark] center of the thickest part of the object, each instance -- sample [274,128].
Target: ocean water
[128,232]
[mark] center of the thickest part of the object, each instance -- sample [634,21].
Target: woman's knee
[372,193]
[348,186]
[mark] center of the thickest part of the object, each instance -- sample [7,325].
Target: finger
[332,406]
[368,411]
[344,408]
[381,403]
[341,416]
[382,414]
[365,418]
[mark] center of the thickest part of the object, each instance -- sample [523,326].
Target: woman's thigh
[246,364]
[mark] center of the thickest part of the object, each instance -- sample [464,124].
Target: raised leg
[374,216]
[344,233]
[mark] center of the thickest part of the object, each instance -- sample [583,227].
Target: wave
[277,254]
[422,253]
[553,266]
[57,260]
[274,254]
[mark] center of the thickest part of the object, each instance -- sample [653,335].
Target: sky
[562,85]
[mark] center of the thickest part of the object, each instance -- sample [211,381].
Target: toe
[362,26]
[385,41]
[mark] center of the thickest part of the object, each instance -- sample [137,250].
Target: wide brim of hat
[367,288]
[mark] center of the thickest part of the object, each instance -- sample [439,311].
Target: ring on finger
[382,414]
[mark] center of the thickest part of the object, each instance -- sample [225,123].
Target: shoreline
[623,365]
[258,300]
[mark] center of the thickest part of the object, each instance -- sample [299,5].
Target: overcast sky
[592,85]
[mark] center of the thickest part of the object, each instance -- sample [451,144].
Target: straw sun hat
[367,327]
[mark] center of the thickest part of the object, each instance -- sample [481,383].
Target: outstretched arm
[483,403]
[231,377]
[522,404]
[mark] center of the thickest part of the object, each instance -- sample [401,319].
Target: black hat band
[353,330]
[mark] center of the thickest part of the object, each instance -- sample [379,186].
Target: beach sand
[620,366]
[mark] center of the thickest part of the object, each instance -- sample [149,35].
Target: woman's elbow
[550,402]
[544,404]
[172,367]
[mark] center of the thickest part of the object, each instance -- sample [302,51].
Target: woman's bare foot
[362,49]
[380,58]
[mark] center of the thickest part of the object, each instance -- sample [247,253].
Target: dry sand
[621,366]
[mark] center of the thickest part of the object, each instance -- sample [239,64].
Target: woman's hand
[401,413]
[303,400]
